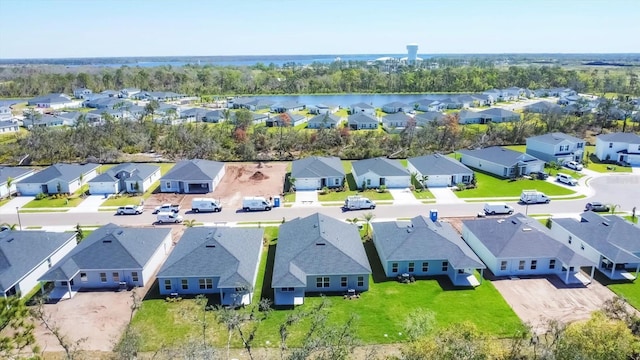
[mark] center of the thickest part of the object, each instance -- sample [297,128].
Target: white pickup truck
[130,210]
[167,208]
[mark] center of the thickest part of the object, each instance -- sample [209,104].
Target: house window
[394,267]
[360,281]
[445,266]
[185,284]
[343,281]
[466,178]
[103,277]
[83,277]
[116,277]
[534,264]
[167,184]
[287,289]
[134,276]
[368,182]
[167,284]
[570,239]
[521,265]
[412,267]
[552,264]
[610,145]
[322,282]
[503,265]
[425,267]
[205,283]
[580,145]
[336,181]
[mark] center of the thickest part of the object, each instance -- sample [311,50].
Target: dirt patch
[258,175]
[250,179]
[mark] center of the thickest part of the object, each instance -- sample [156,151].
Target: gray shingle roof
[381,166]
[194,170]
[317,245]
[22,251]
[362,106]
[399,116]
[7,124]
[498,112]
[322,118]
[427,117]
[110,247]
[137,171]
[66,172]
[362,118]
[555,138]
[50,98]
[611,235]
[499,155]
[228,253]
[317,167]
[421,240]
[7,172]
[518,236]
[621,137]
[438,164]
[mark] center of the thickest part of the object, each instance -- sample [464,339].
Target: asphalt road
[622,190]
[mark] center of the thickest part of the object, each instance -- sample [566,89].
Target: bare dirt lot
[250,179]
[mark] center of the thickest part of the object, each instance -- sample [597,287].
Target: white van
[255,203]
[168,217]
[566,179]
[497,208]
[205,205]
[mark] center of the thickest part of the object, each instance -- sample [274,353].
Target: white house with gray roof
[54,101]
[362,121]
[214,260]
[110,257]
[57,178]
[619,147]
[439,170]
[318,254]
[324,120]
[195,176]
[9,126]
[396,122]
[423,247]
[15,174]
[363,108]
[501,161]
[608,241]
[521,246]
[498,115]
[127,177]
[425,118]
[396,107]
[316,172]
[380,171]
[27,255]
[557,146]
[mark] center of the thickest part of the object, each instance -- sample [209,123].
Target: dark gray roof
[499,155]
[612,236]
[519,236]
[381,166]
[23,251]
[363,105]
[198,113]
[137,171]
[399,116]
[66,172]
[498,112]
[362,118]
[422,239]
[467,114]
[7,123]
[317,245]
[317,167]
[7,172]
[543,106]
[630,138]
[110,247]
[194,170]
[396,104]
[438,164]
[328,118]
[428,116]
[50,98]
[555,138]
[232,254]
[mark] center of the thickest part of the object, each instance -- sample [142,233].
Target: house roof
[380,166]
[195,112]
[396,104]
[110,247]
[362,118]
[428,116]
[55,98]
[427,102]
[7,172]
[422,239]
[555,138]
[363,105]
[23,251]
[317,245]
[499,155]
[519,236]
[138,172]
[542,106]
[66,172]
[438,164]
[328,118]
[7,123]
[228,253]
[498,112]
[468,114]
[630,138]
[72,115]
[399,116]
[610,235]
[195,169]
[317,167]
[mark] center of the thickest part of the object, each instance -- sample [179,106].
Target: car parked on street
[130,210]
[574,165]
[596,206]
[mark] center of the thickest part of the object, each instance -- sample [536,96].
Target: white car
[574,165]
[130,210]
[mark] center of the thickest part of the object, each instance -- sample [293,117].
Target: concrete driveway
[403,196]
[17,202]
[90,204]
[444,195]
[306,198]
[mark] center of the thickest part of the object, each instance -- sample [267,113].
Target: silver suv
[566,179]
[130,210]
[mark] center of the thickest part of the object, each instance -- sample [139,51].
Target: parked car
[497,208]
[596,206]
[541,175]
[130,210]
[167,208]
[574,165]
[566,179]
[168,217]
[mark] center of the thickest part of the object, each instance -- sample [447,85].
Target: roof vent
[210,245]
[513,222]
[10,239]
[527,229]
[120,232]
[106,241]
[409,230]
[320,244]
[605,223]
[500,221]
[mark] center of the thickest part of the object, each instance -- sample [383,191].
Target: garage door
[438,180]
[307,184]
[397,182]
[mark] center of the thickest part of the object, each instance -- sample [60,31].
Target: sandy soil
[250,179]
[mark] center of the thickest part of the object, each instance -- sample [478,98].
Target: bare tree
[71,348]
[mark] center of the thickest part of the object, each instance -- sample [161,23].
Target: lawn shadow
[377,271]
[154,294]
[351,182]
[267,290]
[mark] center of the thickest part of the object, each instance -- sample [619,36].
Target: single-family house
[5,113]
[318,254]
[285,119]
[622,147]
[127,177]
[110,93]
[451,103]
[214,260]
[521,246]
[470,117]
[501,161]
[609,241]
[324,120]
[558,147]
[194,176]
[286,106]
[27,255]
[81,93]
[425,247]
[13,175]
[467,101]
[375,172]
[511,94]
[439,170]
[252,104]
[259,118]
[111,256]
[543,107]
[317,172]
[362,108]
[54,101]
[158,95]
[194,114]
[214,116]
[9,126]
[106,103]
[397,107]
[396,121]
[57,179]
[498,115]
[129,92]
[45,121]
[429,105]
[483,99]
[422,119]
[362,121]
[70,118]
[322,109]
[494,94]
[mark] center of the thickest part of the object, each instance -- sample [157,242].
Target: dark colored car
[541,175]
[596,206]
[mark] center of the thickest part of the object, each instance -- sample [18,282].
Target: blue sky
[99,28]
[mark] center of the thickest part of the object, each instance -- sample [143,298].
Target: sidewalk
[17,202]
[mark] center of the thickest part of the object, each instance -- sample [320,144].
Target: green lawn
[423,194]
[518,148]
[490,186]
[50,202]
[596,165]
[342,195]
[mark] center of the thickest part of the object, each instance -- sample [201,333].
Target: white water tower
[412,53]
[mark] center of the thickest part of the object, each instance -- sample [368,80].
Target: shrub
[41,196]
[461,186]
[382,188]
[324,191]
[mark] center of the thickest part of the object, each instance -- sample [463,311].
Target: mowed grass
[53,203]
[596,165]
[490,186]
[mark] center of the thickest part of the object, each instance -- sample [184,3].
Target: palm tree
[613,208]
[7,226]
[9,183]
[368,217]
[189,223]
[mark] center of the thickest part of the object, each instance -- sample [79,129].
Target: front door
[323,182]
[382,181]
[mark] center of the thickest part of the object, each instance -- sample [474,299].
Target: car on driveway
[596,206]
[130,210]
[540,175]
[566,179]
[574,165]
